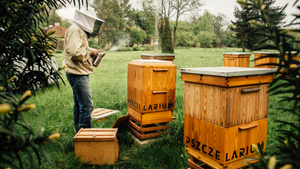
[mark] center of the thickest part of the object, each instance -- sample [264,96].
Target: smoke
[122,42]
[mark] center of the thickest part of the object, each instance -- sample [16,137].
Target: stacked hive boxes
[236,59]
[225,112]
[150,96]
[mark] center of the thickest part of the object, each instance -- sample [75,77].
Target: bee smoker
[97,59]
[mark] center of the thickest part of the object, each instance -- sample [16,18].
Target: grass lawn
[109,90]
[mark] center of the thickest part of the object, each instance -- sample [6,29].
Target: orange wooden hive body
[236,59]
[265,60]
[150,96]
[151,85]
[97,146]
[225,112]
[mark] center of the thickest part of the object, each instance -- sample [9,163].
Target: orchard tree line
[187,28]
[126,26]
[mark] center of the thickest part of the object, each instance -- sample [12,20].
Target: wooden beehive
[228,99]
[236,59]
[225,112]
[294,56]
[97,146]
[158,56]
[220,146]
[151,85]
[265,60]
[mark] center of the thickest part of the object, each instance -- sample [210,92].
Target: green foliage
[92,43]
[149,48]
[25,63]
[113,13]
[286,85]
[136,48]
[166,37]
[137,35]
[207,38]
[65,23]
[204,23]
[186,39]
[25,47]
[242,27]
[16,134]
[145,19]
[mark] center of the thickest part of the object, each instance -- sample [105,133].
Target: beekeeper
[78,59]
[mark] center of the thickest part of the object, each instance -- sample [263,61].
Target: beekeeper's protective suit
[78,59]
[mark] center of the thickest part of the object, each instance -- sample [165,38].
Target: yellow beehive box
[265,60]
[151,85]
[97,146]
[221,146]
[236,59]
[226,96]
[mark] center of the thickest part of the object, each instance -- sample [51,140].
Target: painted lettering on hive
[151,107]
[214,153]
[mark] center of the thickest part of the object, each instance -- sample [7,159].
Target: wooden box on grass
[158,56]
[151,85]
[237,59]
[222,147]
[265,60]
[97,146]
[226,96]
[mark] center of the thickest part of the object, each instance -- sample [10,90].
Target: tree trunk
[174,37]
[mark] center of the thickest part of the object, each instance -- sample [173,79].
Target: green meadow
[109,90]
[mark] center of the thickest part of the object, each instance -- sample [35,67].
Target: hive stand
[147,131]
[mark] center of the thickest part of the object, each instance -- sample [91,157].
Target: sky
[215,7]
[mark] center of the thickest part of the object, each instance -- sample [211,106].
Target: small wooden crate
[151,85]
[267,60]
[228,96]
[158,56]
[236,59]
[221,146]
[97,146]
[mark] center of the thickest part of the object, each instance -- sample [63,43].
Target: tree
[204,23]
[242,26]
[286,84]
[218,23]
[24,62]
[181,7]
[114,13]
[206,38]
[166,37]
[146,19]
[66,23]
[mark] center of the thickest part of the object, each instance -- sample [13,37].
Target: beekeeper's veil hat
[87,20]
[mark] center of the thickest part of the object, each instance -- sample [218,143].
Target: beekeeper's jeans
[83,102]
